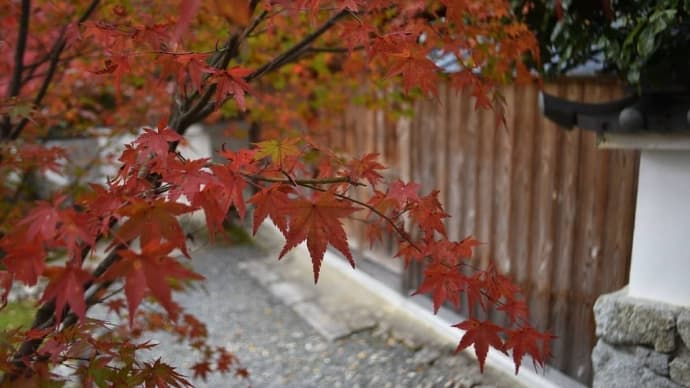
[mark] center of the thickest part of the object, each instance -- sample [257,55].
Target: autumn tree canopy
[150,68]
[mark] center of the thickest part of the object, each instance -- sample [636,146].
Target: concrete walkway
[289,333]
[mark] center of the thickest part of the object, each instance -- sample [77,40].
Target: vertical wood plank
[456,159]
[521,184]
[470,143]
[613,271]
[502,173]
[565,235]
[440,149]
[403,130]
[413,275]
[485,186]
[592,211]
[427,132]
[544,227]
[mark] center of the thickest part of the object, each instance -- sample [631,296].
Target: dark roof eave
[655,112]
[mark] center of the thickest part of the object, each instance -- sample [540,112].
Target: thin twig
[302,182]
[16,81]
[203,108]
[15,85]
[392,223]
[333,49]
[297,49]
[56,51]
[183,118]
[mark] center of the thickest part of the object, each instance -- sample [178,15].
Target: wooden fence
[556,213]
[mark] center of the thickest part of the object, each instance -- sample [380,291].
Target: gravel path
[255,316]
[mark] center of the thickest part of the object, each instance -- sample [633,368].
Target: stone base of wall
[641,343]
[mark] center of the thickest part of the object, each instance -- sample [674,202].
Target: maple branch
[203,108]
[56,51]
[181,120]
[303,182]
[30,69]
[297,49]
[45,315]
[333,49]
[15,84]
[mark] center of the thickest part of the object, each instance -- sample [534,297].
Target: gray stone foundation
[641,343]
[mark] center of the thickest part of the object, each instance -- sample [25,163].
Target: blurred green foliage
[17,314]
[645,42]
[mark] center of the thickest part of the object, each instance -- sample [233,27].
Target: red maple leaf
[101,204]
[154,35]
[462,79]
[527,340]
[43,220]
[119,66]
[158,141]
[444,283]
[231,187]
[365,168]
[225,360]
[67,287]
[231,82]
[24,260]
[498,285]
[76,231]
[429,214]
[153,221]
[481,94]
[465,247]
[224,190]
[160,374]
[201,369]
[475,290]
[404,192]
[410,253]
[269,202]
[355,34]
[383,202]
[215,209]
[183,66]
[416,68]
[188,177]
[317,221]
[482,334]
[149,271]
[187,11]
[515,309]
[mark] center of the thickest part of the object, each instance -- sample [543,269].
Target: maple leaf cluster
[286,65]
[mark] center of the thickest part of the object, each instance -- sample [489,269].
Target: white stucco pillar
[660,263]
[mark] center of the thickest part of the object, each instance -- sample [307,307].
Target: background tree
[645,43]
[69,67]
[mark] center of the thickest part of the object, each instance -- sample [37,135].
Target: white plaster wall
[198,143]
[660,267]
